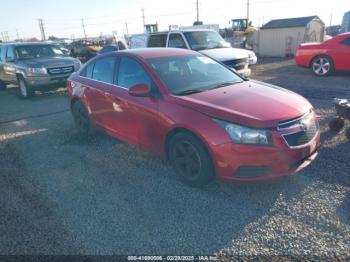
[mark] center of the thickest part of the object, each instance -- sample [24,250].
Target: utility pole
[197,9]
[83,25]
[42,29]
[17,34]
[330,21]
[248,6]
[143,18]
[7,36]
[127,28]
[3,36]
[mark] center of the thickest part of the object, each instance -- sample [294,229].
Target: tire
[336,124]
[23,88]
[81,119]
[2,86]
[347,134]
[191,160]
[322,66]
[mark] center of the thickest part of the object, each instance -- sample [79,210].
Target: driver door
[137,117]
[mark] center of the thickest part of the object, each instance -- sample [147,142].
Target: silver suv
[34,66]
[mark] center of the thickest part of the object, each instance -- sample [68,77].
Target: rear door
[97,81]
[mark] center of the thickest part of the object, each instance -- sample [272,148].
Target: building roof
[289,22]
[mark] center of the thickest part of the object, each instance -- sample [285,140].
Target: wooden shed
[282,37]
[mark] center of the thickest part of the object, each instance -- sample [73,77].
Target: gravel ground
[64,195]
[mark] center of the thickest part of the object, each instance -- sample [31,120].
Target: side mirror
[140,90]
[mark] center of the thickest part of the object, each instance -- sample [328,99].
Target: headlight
[245,135]
[36,71]
[77,65]
[252,58]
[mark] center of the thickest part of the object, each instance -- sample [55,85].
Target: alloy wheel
[187,159]
[321,66]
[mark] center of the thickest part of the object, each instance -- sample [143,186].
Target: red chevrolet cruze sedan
[206,119]
[327,57]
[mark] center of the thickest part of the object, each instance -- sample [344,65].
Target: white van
[205,41]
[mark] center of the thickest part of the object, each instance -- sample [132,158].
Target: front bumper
[47,80]
[250,163]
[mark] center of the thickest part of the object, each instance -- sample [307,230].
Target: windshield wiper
[188,92]
[224,84]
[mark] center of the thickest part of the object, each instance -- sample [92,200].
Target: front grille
[302,137]
[237,64]
[60,70]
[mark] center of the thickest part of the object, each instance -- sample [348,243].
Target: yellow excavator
[242,32]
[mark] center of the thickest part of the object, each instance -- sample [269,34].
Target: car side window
[177,41]
[158,40]
[88,70]
[10,54]
[346,41]
[132,73]
[0,54]
[104,69]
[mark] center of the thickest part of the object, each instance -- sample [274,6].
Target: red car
[206,119]
[324,58]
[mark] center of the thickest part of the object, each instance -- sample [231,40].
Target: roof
[27,43]
[290,22]
[147,53]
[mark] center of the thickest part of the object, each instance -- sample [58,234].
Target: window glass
[132,73]
[177,41]
[88,70]
[0,53]
[10,54]
[108,49]
[37,51]
[104,69]
[194,73]
[346,41]
[157,40]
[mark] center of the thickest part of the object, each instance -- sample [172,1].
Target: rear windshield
[37,51]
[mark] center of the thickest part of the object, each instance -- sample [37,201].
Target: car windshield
[37,51]
[200,40]
[192,74]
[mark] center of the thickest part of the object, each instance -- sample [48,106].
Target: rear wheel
[191,160]
[24,90]
[2,85]
[336,124]
[81,119]
[348,133]
[322,66]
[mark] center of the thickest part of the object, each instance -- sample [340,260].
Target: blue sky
[63,17]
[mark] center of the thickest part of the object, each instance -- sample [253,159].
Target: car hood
[225,54]
[250,103]
[49,62]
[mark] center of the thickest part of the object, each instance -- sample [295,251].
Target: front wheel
[24,90]
[322,66]
[191,160]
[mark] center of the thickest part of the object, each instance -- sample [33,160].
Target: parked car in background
[327,57]
[206,41]
[202,115]
[34,66]
[84,49]
[111,48]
